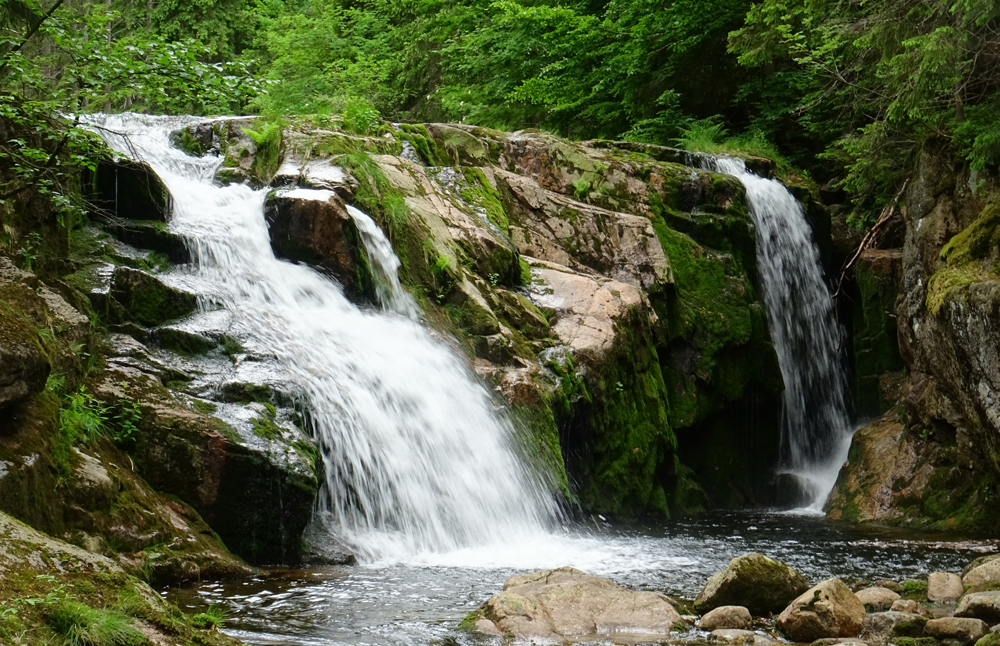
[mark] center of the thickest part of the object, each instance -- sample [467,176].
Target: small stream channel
[420,602]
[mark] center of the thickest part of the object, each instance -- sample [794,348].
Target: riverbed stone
[725,617]
[964,630]
[566,604]
[757,582]
[911,607]
[883,626]
[828,609]
[986,573]
[877,599]
[737,637]
[980,605]
[943,587]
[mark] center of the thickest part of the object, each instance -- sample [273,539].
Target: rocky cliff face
[927,333]
[605,290]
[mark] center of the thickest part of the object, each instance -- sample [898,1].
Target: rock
[758,583]
[315,227]
[877,599]
[966,631]
[256,493]
[588,308]
[726,617]
[912,607]
[944,588]
[130,190]
[23,366]
[980,605]
[828,609]
[886,583]
[737,637]
[987,572]
[883,626]
[567,605]
[148,300]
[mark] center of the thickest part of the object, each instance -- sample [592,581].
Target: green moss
[189,144]
[479,192]
[525,271]
[914,587]
[970,256]
[265,428]
[268,143]
[539,440]
[468,623]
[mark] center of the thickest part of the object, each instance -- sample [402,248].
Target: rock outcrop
[828,609]
[757,582]
[566,605]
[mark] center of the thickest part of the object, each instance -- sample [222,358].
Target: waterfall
[816,425]
[417,460]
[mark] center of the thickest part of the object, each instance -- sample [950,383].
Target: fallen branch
[870,238]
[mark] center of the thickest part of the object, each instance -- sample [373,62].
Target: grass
[81,625]
[710,136]
[211,619]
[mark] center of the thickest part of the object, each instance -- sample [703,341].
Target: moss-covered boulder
[23,365]
[878,275]
[757,582]
[52,591]
[254,484]
[148,300]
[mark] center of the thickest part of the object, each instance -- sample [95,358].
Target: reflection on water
[420,602]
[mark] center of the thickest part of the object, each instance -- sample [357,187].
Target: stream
[422,600]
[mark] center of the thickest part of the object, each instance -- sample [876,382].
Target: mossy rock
[149,301]
[129,190]
[760,584]
[153,235]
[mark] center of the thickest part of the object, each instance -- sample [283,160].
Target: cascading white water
[816,426]
[416,458]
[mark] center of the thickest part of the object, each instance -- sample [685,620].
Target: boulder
[982,560]
[877,599]
[980,605]
[967,631]
[23,366]
[567,605]
[884,626]
[987,572]
[315,227]
[943,587]
[912,607]
[726,617]
[130,190]
[828,609]
[757,582]
[147,299]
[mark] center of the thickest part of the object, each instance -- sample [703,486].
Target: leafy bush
[360,115]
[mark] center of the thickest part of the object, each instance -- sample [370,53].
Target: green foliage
[267,141]
[81,625]
[360,115]
[703,135]
[581,189]
[212,619]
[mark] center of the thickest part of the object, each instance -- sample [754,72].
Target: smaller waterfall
[816,425]
[385,266]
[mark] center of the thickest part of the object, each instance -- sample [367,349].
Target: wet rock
[737,637]
[877,599]
[130,190]
[153,235]
[757,582]
[567,605]
[912,607]
[883,626]
[148,300]
[726,617]
[828,609]
[980,605]
[256,492]
[986,573]
[943,587]
[966,631]
[314,226]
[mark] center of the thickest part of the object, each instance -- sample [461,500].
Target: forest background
[847,92]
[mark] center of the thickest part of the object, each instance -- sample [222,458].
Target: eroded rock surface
[566,605]
[828,609]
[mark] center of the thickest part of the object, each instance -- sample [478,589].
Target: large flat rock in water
[567,605]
